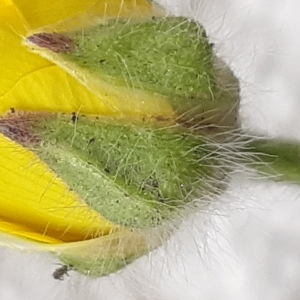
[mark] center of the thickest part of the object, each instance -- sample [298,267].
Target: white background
[249,248]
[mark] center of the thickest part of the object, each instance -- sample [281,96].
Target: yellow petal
[4,3]
[41,13]
[30,82]
[38,205]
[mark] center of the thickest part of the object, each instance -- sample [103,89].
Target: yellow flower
[34,203]
[146,175]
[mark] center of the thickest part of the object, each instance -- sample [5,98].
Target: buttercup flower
[112,128]
[99,193]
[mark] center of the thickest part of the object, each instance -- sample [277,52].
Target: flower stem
[282,158]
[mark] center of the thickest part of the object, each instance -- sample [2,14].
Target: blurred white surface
[250,247]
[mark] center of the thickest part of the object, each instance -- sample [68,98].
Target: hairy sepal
[164,66]
[143,176]
[135,173]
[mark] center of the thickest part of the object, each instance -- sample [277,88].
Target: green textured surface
[136,176]
[169,56]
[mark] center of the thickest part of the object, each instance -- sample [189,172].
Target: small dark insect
[102,61]
[59,273]
[12,110]
[92,140]
[74,118]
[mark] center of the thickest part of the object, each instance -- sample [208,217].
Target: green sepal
[135,174]
[165,57]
